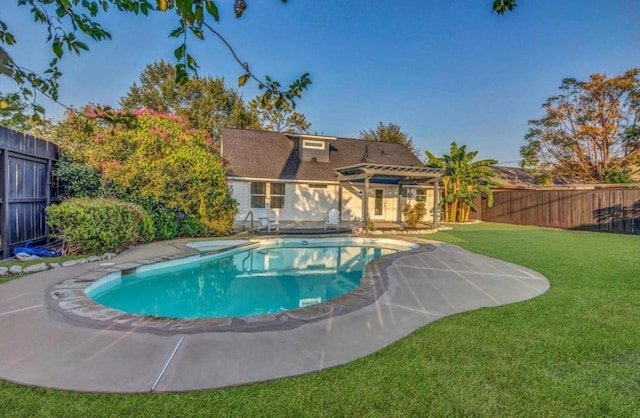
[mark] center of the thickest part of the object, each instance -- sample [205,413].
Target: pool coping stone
[79,309]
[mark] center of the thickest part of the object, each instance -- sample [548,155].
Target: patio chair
[332,220]
[268,221]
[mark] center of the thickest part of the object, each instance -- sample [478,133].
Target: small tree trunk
[467,210]
[454,211]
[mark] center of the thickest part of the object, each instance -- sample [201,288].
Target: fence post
[6,238]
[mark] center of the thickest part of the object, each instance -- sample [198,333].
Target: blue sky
[443,70]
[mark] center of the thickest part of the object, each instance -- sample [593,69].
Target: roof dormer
[313,147]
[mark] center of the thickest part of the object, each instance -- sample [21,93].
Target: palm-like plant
[463,181]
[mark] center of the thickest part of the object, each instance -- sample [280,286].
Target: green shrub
[191,226]
[99,225]
[77,179]
[156,161]
[414,214]
[370,225]
[164,222]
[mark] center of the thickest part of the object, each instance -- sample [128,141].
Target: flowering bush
[156,160]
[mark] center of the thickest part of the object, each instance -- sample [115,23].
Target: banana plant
[463,181]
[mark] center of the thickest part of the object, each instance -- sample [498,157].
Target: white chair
[332,220]
[269,221]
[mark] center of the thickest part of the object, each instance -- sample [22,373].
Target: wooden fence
[607,209]
[26,188]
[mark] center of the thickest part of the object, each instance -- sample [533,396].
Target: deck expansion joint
[21,310]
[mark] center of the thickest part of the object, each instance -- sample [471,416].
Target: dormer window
[319,145]
[313,148]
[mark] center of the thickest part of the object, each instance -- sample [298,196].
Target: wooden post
[48,185]
[435,203]
[365,201]
[5,233]
[340,198]
[399,205]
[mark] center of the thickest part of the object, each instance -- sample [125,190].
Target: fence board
[25,168]
[614,210]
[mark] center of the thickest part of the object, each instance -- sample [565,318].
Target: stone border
[68,302]
[44,266]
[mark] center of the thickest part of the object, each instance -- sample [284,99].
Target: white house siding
[304,203]
[241,191]
[351,203]
[429,204]
[301,202]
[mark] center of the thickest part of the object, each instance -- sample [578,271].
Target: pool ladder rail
[252,228]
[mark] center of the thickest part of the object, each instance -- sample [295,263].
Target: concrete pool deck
[40,345]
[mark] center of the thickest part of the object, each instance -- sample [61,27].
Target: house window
[261,193]
[313,144]
[421,195]
[258,194]
[277,195]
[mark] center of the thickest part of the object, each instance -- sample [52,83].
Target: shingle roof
[272,155]
[513,178]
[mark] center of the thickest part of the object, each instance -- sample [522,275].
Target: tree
[502,6]
[284,119]
[463,181]
[590,131]
[159,159]
[66,20]
[390,133]
[205,101]
[13,112]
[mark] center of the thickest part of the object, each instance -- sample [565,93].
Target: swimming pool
[256,279]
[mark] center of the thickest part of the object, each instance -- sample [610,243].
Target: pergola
[403,174]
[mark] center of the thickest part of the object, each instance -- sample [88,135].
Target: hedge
[99,225]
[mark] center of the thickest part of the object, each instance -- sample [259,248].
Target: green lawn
[574,351]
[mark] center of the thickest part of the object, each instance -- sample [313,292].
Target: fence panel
[607,209]
[25,188]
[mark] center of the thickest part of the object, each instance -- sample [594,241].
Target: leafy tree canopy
[463,181]
[14,112]
[390,133]
[67,21]
[590,132]
[204,102]
[283,119]
[502,6]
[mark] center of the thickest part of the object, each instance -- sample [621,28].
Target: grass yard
[574,351]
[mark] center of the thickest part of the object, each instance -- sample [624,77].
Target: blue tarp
[39,251]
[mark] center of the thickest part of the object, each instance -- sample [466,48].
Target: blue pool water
[262,280]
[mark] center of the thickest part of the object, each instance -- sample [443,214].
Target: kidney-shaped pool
[257,279]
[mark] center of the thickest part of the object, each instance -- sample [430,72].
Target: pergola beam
[400,173]
[352,177]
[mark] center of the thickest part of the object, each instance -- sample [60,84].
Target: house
[301,177]
[513,178]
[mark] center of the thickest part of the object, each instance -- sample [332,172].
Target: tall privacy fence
[599,209]
[26,188]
